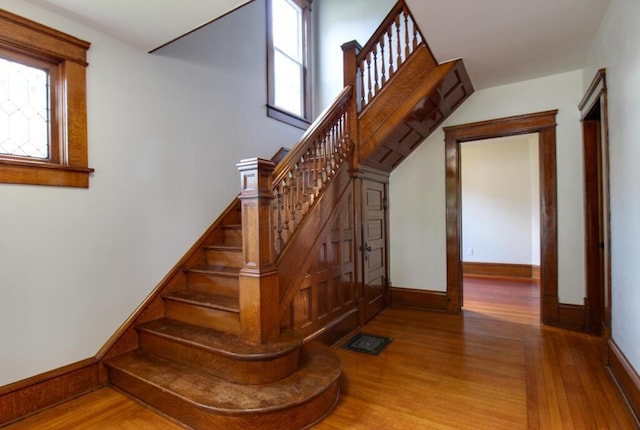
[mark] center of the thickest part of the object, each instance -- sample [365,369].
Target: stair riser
[300,416]
[217,319]
[225,258]
[214,284]
[232,236]
[222,366]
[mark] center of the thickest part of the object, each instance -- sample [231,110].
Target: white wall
[498,200]
[165,132]
[339,22]
[617,48]
[417,188]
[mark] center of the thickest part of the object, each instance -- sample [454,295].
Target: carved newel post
[259,294]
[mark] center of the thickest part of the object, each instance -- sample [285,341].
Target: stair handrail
[300,177]
[375,66]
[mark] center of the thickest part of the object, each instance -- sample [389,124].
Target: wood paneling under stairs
[492,367]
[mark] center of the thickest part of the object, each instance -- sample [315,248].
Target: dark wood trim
[66,57]
[625,376]
[543,123]
[30,395]
[595,137]
[571,316]
[420,299]
[499,269]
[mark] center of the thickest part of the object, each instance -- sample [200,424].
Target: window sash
[290,57]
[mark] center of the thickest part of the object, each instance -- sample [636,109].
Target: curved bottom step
[203,401]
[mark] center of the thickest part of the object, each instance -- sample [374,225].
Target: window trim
[274,111]
[68,165]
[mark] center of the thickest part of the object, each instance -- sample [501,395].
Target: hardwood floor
[493,367]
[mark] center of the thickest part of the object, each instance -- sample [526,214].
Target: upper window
[288,61]
[43,124]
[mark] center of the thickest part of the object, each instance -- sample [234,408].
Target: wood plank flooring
[493,367]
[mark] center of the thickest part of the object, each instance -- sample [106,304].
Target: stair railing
[274,201]
[302,175]
[387,50]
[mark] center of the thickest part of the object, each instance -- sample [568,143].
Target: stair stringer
[126,338]
[317,271]
[409,108]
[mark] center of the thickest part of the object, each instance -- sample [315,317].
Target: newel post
[351,76]
[259,293]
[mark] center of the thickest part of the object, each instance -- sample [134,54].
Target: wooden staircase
[230,338]
[193,365]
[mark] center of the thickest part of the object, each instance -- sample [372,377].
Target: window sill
[286,117]
[42,173]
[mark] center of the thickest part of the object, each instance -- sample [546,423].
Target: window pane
[287,28]
[24,110]
[288,83]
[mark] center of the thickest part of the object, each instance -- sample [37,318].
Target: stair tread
[205,299]
[225,247]
[216,269]
[232,227]
[221,342]
[319,368]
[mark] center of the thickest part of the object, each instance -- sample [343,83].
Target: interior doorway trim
[543,123]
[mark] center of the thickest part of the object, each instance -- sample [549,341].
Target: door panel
[374,252]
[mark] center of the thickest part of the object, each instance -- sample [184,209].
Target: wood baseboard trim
[527,271]
[571,316]
[31,395]
[625,376]
[419,299]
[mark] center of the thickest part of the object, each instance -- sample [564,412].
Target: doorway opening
[501,219]
[544,125]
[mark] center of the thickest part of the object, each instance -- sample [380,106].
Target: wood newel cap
[256,177]
[352,45]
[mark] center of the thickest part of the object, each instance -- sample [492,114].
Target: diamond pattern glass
[24,110]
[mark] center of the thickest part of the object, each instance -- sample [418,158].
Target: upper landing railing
[391,45]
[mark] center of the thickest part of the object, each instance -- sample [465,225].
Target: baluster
[376,83]
[397,22]
[406,34]
[382,65]
[278,239]
[415,34]
[292,201]
[389,35]
[369,94]
[361,84]
[318,172]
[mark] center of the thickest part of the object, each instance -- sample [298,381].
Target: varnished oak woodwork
[595,135]
[68,55]
[491,367]
[500,269]
[543,123]
[125,338]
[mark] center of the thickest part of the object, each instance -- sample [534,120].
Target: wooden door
[373,248]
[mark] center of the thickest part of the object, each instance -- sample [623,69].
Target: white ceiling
[501,41]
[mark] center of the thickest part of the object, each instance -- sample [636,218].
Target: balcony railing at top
[390,46]
[302,175]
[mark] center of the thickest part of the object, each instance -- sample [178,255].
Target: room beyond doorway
[544,124]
